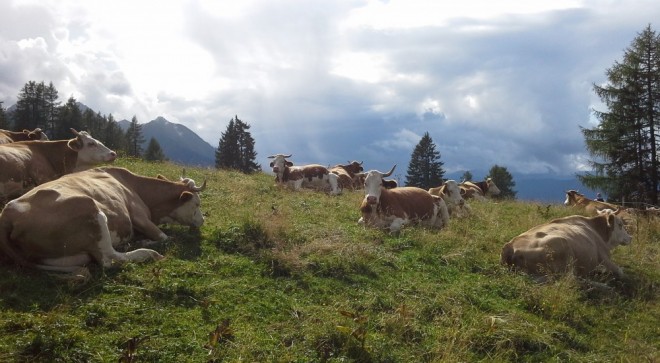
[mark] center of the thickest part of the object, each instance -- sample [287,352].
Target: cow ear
[272,164]
[610,221]
[161,177]
[288,163]
[185,196]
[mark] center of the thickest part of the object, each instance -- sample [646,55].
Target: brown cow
[7,136]
[451,194]
[479,190]
[26,164]
[346,173]
[575,199]
[393,208]
[80,218]
[578,242]
[309,176]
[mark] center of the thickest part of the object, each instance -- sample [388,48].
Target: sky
[505,83]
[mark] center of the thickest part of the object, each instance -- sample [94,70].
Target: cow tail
[7,248]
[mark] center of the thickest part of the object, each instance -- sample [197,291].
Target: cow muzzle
[372,199]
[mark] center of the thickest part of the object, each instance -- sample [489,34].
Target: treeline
[38,107]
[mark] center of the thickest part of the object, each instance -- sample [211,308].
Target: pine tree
[467,176]
[113,136]
[425,168]
[624,145]
[4,122]
[504,181]
[236,148]
[154,152]
[134,138]
[68,117]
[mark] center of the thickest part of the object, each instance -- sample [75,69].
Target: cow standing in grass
[394,208]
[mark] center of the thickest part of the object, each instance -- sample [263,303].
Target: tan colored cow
[479,190]
[394,208]
[26,164]
[450,192]
[313,176]
[346,174]
[575,199]
[80,218]
[7,136]
[575,242]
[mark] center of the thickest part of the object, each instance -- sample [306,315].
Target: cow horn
[389,172]
[199,189]
[276,155]
[74,131]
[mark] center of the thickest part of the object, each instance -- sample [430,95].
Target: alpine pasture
[282,276]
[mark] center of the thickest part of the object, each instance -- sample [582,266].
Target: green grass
[282,276]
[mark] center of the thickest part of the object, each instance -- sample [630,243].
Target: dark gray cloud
[511,90]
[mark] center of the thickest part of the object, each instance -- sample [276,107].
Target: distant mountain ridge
[179,143]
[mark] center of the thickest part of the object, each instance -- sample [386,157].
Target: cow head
[492,188]
[373,182]
[616,227]
[90,151]
[187,211]
[571,197]
[354,167]
[453,193]
[36,134]
[279,163]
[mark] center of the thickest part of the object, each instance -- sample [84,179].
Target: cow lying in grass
[576,243]
[394,208]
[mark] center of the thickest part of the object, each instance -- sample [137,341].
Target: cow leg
[397,224]
[333,180]
[612,267]
[107,255]
[144,225]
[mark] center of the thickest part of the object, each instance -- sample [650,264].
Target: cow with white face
[576,242]
[312,176]
[450,192]
[65,224]
[394,208]
[26,164]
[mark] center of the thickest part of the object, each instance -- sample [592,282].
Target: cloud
[334,81]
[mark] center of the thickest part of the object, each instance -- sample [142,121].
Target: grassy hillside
[282,276]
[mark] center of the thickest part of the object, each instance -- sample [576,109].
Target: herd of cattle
[85,211]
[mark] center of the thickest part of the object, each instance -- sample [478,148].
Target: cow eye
[91,144]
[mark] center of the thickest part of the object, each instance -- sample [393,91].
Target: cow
[479,190]
[7,136]
[309,176]
[67,223]
[451,194]
[346,173]
[575,242]
[393,208]
[26,164]
[575,199]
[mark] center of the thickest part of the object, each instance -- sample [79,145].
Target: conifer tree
[134,138]
[36,106]
[425,168]
[624,145]
[68,117]
[154,152]
[467,176]
[504,181]
[236,148]
[4,122]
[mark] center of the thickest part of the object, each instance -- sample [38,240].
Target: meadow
[282,276]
